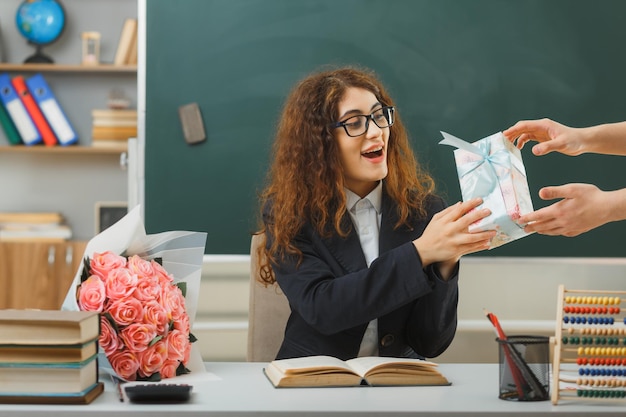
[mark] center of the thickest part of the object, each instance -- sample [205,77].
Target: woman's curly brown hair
[305,182]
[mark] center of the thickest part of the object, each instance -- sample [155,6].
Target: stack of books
[30,113]
[41,226]
[113,126]
[49,356]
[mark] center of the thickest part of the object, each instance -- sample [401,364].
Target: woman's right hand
[447,238]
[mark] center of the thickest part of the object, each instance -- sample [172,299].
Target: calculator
[159,393]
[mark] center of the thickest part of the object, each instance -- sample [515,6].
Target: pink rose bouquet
[145,288]
[145,329]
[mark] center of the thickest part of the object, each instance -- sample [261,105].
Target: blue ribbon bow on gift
[485,182]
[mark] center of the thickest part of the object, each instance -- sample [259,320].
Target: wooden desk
[243,390]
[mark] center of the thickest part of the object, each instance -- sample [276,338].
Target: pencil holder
[524,368]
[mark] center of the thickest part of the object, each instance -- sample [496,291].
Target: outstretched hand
[446,238]
[553,137]
[580,209]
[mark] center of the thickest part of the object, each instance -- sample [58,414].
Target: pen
[118,383]
[120,394]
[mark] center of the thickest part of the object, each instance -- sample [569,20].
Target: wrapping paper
[492,168]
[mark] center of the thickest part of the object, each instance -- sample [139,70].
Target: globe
[41,22]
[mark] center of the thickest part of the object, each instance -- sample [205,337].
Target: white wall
[522,292]
[222,318]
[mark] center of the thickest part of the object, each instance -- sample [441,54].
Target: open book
[327,371]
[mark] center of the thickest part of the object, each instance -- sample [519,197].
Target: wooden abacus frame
[589,358]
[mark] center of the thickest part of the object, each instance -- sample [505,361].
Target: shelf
[102,68]
[72,149]
[57,174]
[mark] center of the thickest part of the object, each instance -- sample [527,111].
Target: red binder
[33,110]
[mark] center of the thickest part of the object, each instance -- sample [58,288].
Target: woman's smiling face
[364,158]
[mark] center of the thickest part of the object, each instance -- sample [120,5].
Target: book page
[309,364]
[385,371]
[368,364]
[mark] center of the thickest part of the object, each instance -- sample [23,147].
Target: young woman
[366,254]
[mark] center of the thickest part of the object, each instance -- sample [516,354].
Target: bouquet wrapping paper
[180,255]
[492,168]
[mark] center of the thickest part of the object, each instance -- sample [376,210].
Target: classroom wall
[522,292]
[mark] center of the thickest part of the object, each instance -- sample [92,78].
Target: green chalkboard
[467,67]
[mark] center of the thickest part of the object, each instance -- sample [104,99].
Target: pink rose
[147,289]
[109,340]
[168,370]
[138,336]
[140,267]
[126,311]
[177,342]
[125,364]
[152,359]
[155,314]
[102,263]
[174,301]
[161,273]
[182,324]
[120,283]
[91,294]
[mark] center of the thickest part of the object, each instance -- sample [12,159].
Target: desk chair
[268,312]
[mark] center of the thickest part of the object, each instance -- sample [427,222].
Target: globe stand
[38,57]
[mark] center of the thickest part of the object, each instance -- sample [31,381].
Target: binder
[13,136]
[33,109]
[60,124]
[15,108]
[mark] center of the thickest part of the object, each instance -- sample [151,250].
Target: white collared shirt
[366,216]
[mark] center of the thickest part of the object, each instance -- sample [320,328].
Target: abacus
[589,360]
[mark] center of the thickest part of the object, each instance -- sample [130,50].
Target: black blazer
[333,295]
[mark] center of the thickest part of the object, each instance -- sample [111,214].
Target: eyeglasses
[358,125]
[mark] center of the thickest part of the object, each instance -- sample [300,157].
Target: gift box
[492,168]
